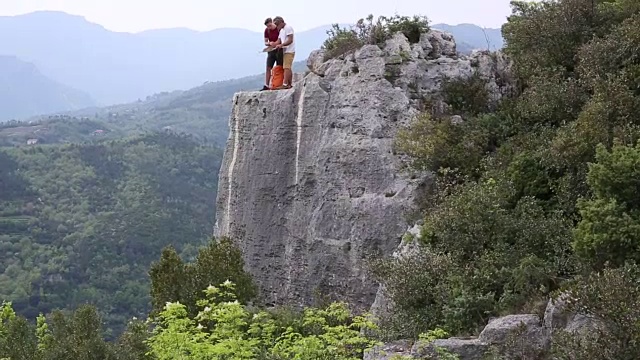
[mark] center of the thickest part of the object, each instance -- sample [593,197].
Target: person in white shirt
[288,44]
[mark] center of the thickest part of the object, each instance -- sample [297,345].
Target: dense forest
[538,196]
[81,223]
[535,197]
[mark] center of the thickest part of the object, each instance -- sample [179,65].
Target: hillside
[25,91]
[126,67]
[202,112]
[502,188]
[82,223]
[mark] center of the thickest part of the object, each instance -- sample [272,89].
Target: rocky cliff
[310,184]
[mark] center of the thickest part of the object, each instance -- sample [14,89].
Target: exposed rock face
[310,184]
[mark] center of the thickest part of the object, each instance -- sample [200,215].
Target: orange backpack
[277,77]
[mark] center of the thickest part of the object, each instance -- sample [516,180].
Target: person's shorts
[288,60]
[274,57]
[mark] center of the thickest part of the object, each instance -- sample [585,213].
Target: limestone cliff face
[310,184]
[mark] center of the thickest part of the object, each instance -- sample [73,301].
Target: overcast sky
[138,15]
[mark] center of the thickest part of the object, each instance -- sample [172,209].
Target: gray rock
[310,186]
[557,317]
[315,62]
[499,329]
[389,351]
[510,337]
[397,50]
[442,43]
[465,349]
[456,120]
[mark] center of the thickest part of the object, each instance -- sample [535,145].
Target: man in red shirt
[271,34]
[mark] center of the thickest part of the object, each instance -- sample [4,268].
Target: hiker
[274,57]
[287,43]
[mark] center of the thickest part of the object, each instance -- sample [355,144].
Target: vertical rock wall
[310,185]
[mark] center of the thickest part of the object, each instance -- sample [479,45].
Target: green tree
[479,255]
[609,231]
[169,280]
[174,281]
[226,329]
[77,336]
[17,337]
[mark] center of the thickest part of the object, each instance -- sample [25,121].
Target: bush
[604,56]
[438,143]
[226,329]
[340,42]
[417,286]
[609,231]
[611,300]
[480,256]
[466,96]
[173,280]
[372,32]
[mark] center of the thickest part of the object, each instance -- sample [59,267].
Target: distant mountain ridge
[116,67]
[121,67]
[24,91]
[471,37]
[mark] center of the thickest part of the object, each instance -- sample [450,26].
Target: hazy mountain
[24,91]
[470,37]
[121,67]
[202,111]
[116,67]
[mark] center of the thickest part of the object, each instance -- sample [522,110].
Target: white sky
[138,15]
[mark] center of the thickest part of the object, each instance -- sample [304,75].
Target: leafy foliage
[64,336]
[609,231]
[82,223]
[371,31]
[439,143]
[479,256]
[610,300]
[534,191]
[226,329]
[174,281]
[466,96]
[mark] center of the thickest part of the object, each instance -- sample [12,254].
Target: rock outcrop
[510,337]
[310,185]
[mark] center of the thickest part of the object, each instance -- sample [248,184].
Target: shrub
[173,280]
[466,96]
[604,56]
[411,27]
[340,42]
[417,286]
[435,143]
[478,225]
[372,32]
[609,231]
[226,329]
[611,300]
[480,256]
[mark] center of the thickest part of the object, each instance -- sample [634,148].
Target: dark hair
[278,20]
[266,22]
